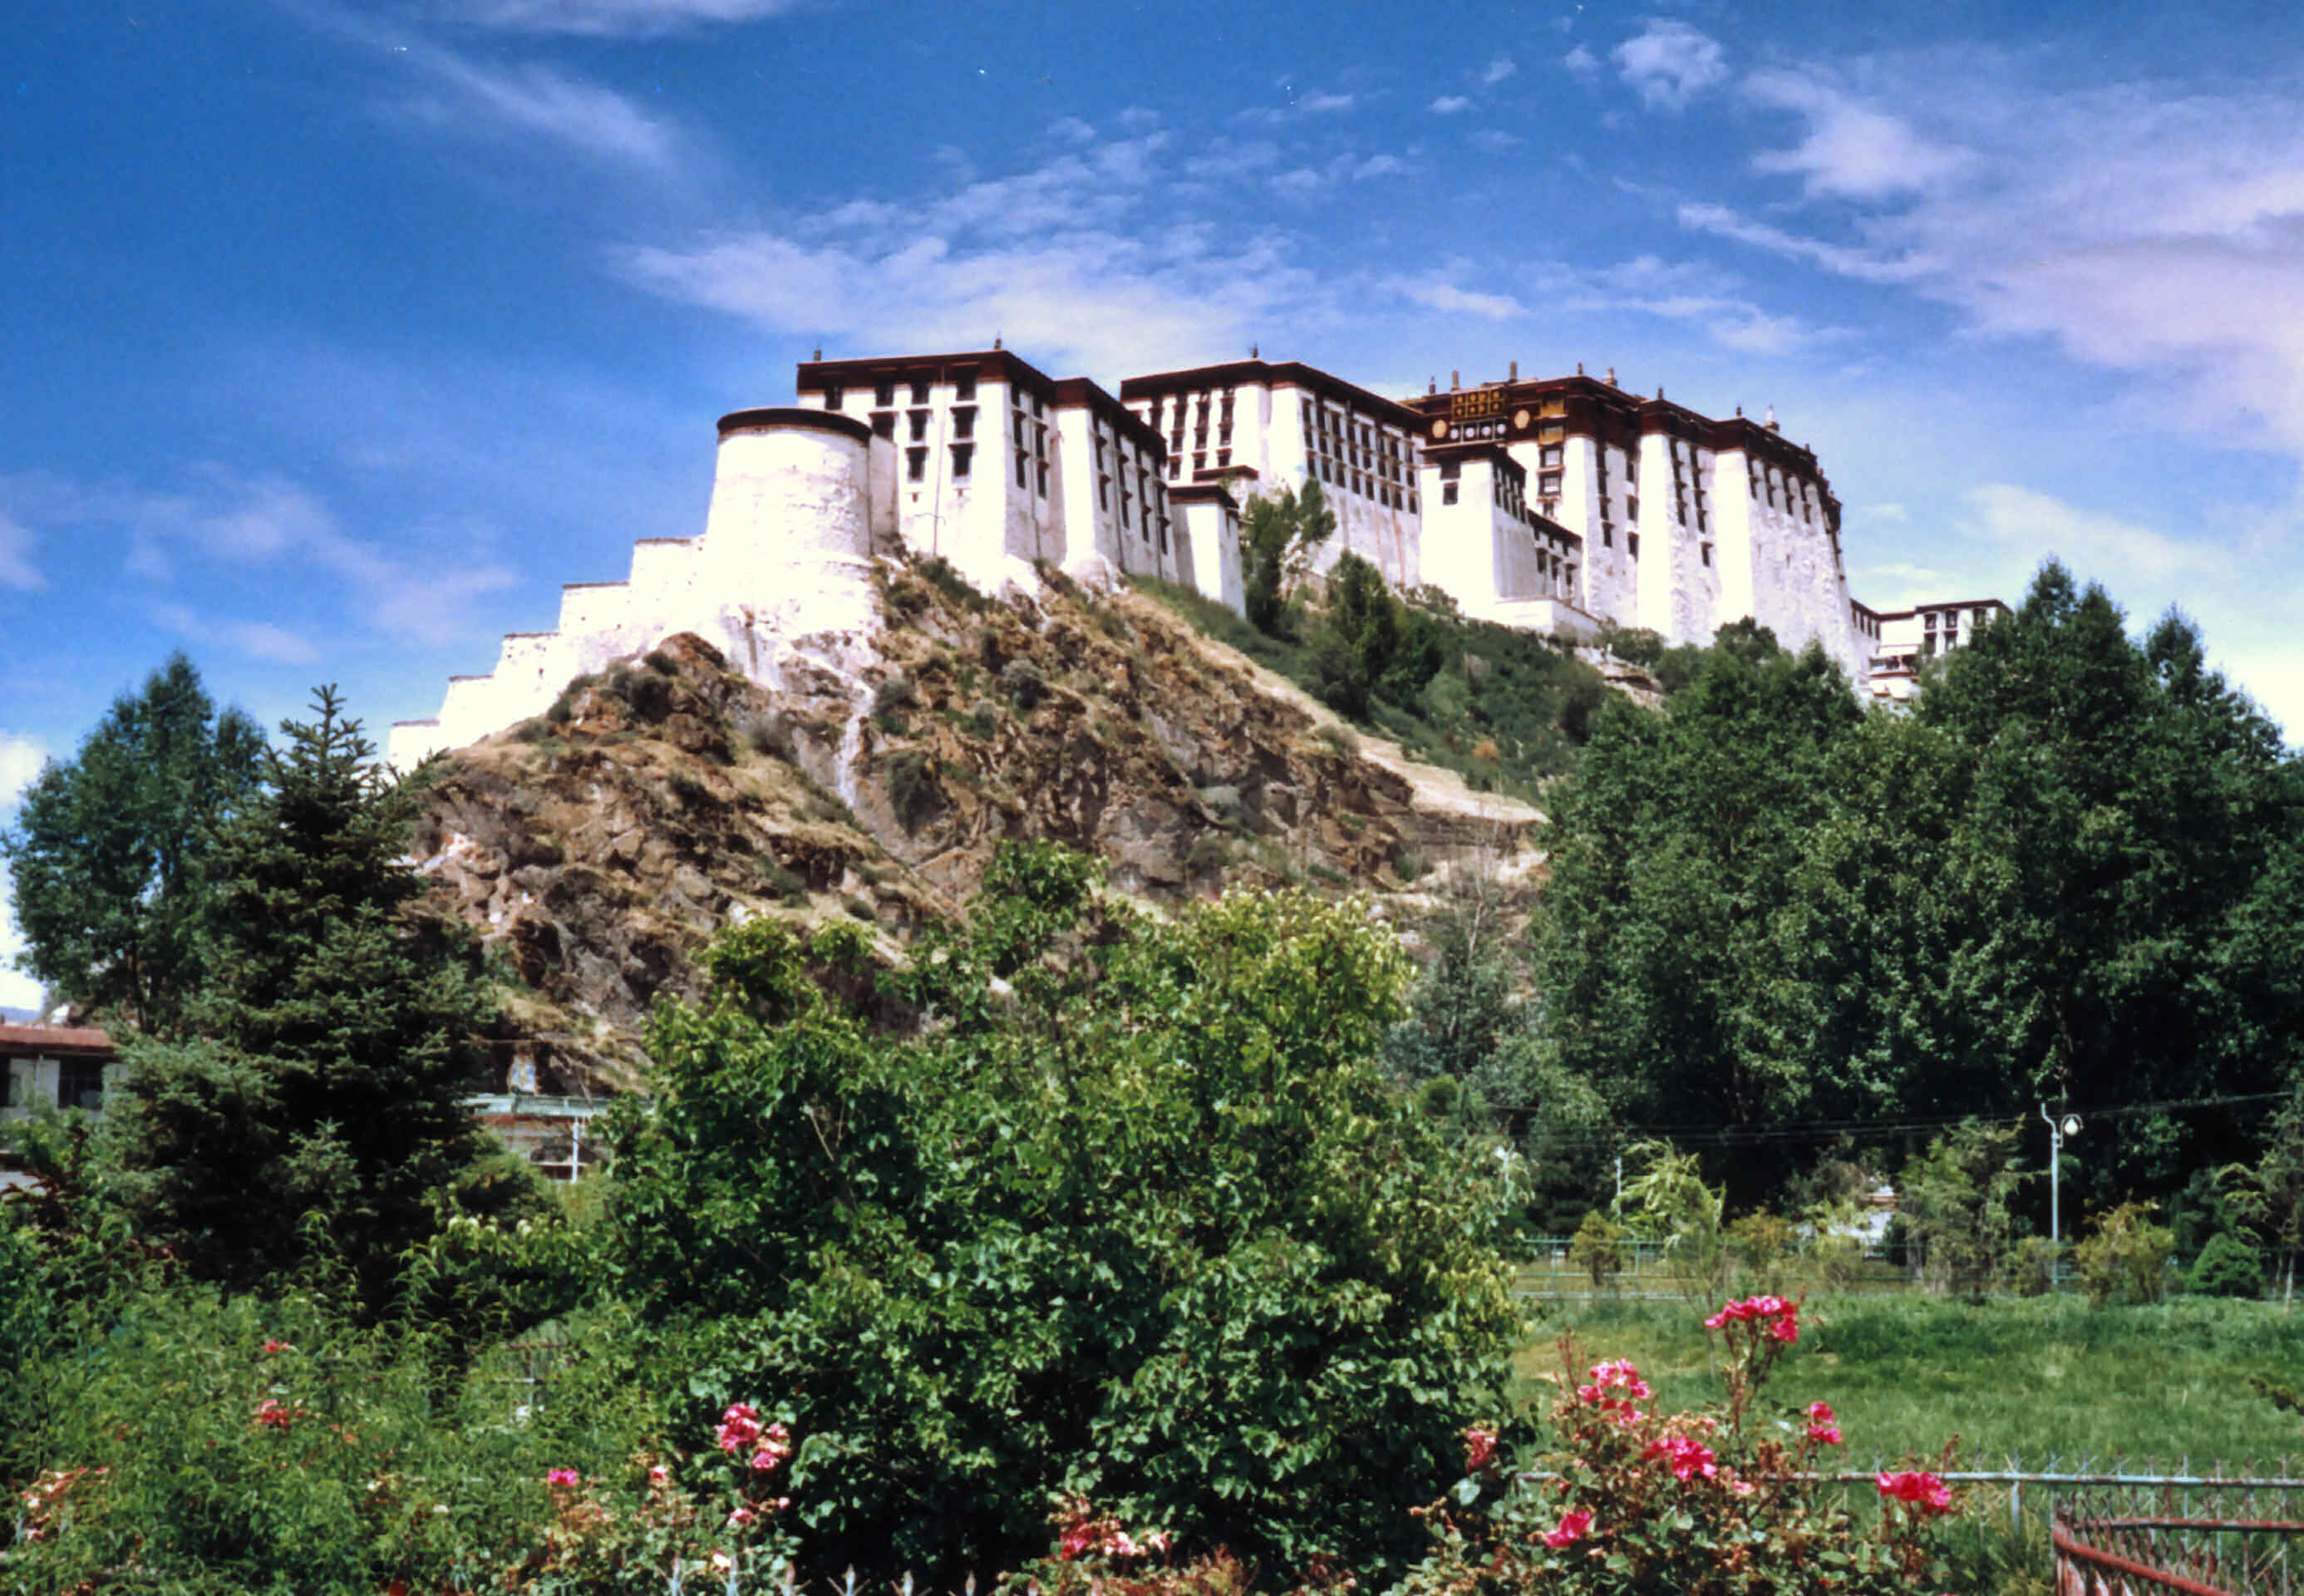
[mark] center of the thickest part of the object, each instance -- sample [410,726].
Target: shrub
[2033,1270]
[2228,1266]
[1025,683]
[660,662]
[914,791]
[1597,1248]
[889,699]
[770,736]
[2126,1257]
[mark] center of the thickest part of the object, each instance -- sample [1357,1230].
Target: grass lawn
[2024,1377]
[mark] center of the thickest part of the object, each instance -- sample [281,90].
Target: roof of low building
[54,1041]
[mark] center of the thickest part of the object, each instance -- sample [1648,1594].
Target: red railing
[2129,1555]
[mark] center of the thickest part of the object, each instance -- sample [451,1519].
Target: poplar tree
[319,1115]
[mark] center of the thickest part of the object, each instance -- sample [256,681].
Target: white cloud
[1497,71]
[16,568]
[608,18]
[454,92]
[1381,166]
[1700,294]
[1085,262]
[17,989]
[1449,105]
[2039,524]
[1319,103]
[2143,227]
[258,639]
[1494,140]
[1852,151]
[538,101]
[1435,295]
[246,525]
[21,759]
[1581,62]
[1671,64]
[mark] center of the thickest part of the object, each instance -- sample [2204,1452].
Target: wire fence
[2208,1536]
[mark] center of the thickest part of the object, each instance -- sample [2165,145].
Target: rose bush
[1626,1499]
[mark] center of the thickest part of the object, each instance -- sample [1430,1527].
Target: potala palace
[1560,504]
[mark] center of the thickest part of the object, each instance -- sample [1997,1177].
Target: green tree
[1134,1217]
[1675,844]
[1958,1201]
[1279,535]
[1357,639]
[107,851]
[319,1112]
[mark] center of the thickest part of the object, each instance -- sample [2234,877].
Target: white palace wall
[1578,506]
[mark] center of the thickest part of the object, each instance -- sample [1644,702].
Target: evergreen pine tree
[320,1113]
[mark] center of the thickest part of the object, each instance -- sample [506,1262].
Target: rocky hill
[597,846]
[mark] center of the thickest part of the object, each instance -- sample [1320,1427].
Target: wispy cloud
[16,568]
[2142,227]
[246,525]
[1497,71]
[449,90]
[1381,166]
[2040,524]
[606,17]
[1700,294]
[1853,150]
[538,101]
[1581,62]
[258,639]
[1435,294]
[1449,105]
[1670,64]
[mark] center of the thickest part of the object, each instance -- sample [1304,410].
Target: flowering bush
[1629,1499]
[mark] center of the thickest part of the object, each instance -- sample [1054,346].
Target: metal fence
[2213,1535]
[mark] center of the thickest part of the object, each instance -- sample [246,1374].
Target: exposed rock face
[597,848]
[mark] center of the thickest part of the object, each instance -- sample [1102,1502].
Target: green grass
[2027,1377]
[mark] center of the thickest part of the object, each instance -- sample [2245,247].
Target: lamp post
[2058,1129]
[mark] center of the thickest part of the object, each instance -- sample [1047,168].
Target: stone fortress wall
[1558,505]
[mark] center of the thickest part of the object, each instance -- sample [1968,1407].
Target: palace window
[1024,468]
[832,397]
[1707,553]
[1103,493]
[884,394]
[963,456]
[919,390]
[883,423]
[1548,484]
[1632,508]
[964,386]
[919,425]
[1632,544]
[1043,485]
[1447,493]
[1549,456]
[963,421]
[916,464]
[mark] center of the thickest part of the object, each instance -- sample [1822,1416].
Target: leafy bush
[298,1454]
[1137,1219]
[2228,1266]
[2126,1257]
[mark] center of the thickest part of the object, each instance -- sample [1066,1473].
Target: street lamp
[2058,1129]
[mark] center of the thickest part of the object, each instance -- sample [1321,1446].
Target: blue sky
[336,336]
